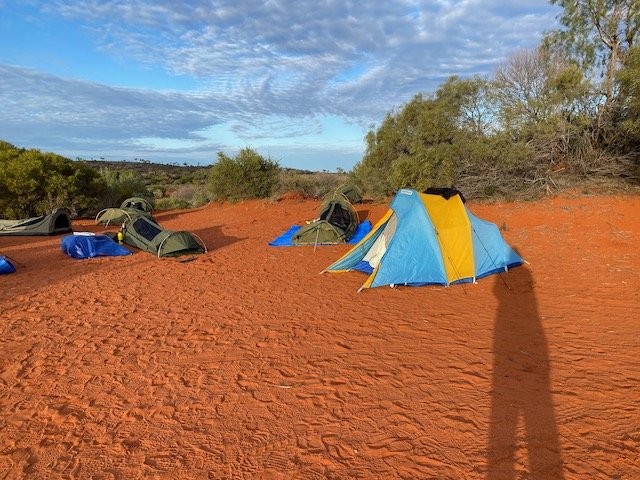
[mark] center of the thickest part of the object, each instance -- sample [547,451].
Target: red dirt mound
[245,363]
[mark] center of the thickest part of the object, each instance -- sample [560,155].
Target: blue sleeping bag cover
[89,246]
[6,266]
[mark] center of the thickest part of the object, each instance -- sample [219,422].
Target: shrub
[185,196]
[309,185]
[432,167]
[171,203]
[34,183]
[416,146]
[248,175]
[123,184]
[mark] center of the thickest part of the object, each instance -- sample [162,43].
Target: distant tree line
[561,113]
[33,182]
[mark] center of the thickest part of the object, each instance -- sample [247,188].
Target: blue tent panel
[363,266]
[6,266]
[491,254]
[413,253]
[89,246]
[413,256]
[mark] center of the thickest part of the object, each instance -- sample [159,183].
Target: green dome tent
[139,203]
[131,207]
[58,221]
[337,223]
[144,233]
[348,190]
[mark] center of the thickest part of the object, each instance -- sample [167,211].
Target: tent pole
[203,244]
[315,245]
[492,260]
[453,265]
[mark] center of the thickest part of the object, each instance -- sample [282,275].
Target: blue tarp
[89,246]
[284,240]
[6,266]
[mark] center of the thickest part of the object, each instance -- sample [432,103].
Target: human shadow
[521,386]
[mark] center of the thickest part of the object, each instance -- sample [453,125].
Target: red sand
[246,363]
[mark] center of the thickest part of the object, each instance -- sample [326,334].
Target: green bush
[34,183]
[309,185]
[629,80]
[432,167]
[417,146]
[123,184]
[248,175]
[186,196]
[171,203]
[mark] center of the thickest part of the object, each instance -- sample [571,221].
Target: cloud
[259,59]
[283,56]
[52,105]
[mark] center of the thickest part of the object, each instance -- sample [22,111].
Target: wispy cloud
[259,60]
[47,104]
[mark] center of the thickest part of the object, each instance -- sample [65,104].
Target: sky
[299,81]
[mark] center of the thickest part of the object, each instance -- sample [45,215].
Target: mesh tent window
[137,203]
[336,215]
[147,229]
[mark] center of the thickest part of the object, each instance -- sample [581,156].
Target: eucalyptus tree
[598,34]
[539,87]
[423,143]
[629,81]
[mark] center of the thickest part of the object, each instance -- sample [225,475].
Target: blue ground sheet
[284,240]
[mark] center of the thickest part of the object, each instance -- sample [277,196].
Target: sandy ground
[245,363]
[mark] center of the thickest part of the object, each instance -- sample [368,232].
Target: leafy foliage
[248,175]
[34,182]
[185,196]
[309,184]
[534,87]
[629,78]
[123,184]
[597,34]
[420,145]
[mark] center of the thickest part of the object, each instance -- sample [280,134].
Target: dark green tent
[139,203]
[337,223]
[144,233]
[58,221]
[131,207]
[348,190]
[119,216]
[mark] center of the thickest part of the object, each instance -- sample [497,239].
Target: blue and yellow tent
[426,239]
